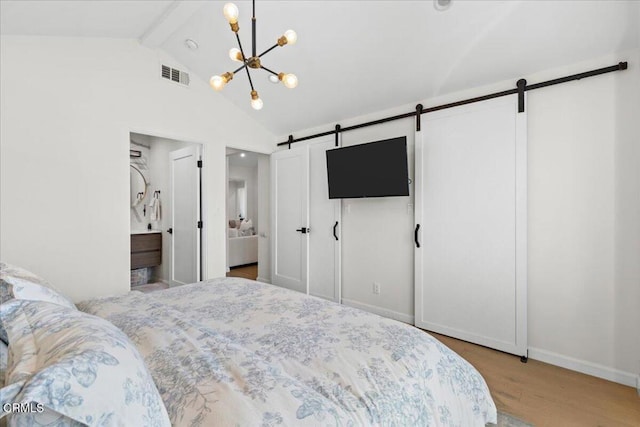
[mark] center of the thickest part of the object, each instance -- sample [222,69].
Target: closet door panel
[323,215]
[306,261]
[289,183]
[467,279]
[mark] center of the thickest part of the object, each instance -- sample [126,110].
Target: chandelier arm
[266,69]
[245,65]
[268,50]
[244,58]
[249,76]
[240,69]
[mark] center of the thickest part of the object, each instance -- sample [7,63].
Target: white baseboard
[402,317]
[589,368]
[263,280]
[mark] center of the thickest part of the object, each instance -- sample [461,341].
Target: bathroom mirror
[138,186]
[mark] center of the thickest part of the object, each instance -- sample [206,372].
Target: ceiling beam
[173,17]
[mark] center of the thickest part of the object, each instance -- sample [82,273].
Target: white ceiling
[112,18]
[352,57]
[249,160]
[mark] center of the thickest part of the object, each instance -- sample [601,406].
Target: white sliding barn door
[471,207]
[305,253]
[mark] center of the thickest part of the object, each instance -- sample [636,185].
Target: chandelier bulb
[291,37]
[231,13]
[289,80]
[256,102]
[218,82]
[235,54]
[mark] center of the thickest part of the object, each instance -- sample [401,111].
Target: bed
[232,351]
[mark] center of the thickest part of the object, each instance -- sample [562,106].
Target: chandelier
[290,81]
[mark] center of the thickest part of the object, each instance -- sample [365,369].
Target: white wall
[66,110]
[584,220]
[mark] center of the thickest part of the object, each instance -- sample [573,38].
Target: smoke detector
[191,44]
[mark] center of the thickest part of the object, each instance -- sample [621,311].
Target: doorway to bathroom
[247,210]
[166,212]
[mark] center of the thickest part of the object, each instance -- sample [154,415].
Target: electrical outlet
[376,288]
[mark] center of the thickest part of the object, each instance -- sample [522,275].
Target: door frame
[205,207]
[226,200]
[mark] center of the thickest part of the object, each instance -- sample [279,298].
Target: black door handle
[170,231]
[334,230]
[303,230]
[415,235]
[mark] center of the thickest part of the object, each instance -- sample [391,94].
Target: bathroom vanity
[146,249]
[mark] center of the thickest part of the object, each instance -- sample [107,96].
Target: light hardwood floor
[546,395]
[247,271]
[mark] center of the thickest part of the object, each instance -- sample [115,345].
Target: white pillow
[18,283]
[79,367]
[246,224]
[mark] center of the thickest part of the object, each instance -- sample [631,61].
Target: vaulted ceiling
[352,57]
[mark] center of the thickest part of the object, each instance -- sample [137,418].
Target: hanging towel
[156,211]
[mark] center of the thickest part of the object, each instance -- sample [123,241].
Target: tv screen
[376,169]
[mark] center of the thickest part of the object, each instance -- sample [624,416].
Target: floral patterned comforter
[232,351]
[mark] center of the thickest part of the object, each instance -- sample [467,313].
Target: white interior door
[185,214]
[324,221]
[289,218]
[305,223]
[471,195]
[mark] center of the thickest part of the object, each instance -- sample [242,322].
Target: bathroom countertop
[145,231]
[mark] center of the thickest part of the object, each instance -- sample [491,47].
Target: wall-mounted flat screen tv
[376,169]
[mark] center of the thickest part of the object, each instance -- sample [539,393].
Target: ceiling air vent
[175,75]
